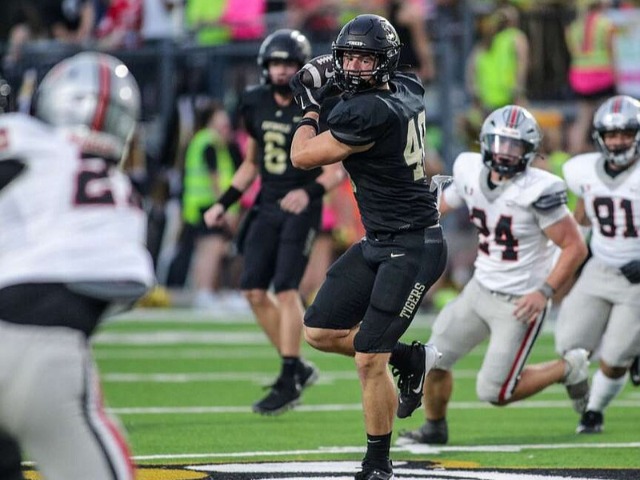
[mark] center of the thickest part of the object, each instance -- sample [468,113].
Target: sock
[401,356]
[377,455]
[603,390]
[289,366]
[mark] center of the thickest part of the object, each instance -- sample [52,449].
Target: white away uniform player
[603,308]
[72,243]
[521,216]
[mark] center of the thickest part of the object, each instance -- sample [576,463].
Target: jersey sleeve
[573,170]
[356,121]
[550,204]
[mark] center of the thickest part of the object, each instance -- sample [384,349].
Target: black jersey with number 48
[272,128]
[389,179]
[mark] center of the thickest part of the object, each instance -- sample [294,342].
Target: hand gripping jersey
[611,204]
[389,178]
[514,255]
[272,127]
[64,218]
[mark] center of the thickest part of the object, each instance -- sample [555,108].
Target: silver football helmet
[619,113]
[93,97]
[509,140]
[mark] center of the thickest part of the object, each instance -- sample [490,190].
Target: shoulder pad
[541,189]
[358,120]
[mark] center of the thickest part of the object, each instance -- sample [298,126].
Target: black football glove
[313,83]
[631,270]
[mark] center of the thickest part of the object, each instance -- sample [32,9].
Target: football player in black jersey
[279,238]
[372,292]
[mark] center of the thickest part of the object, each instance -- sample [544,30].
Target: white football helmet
[93,97]
[509,140]
[619,113]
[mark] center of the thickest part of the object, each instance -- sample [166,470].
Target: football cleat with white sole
[576,379]
[283,395]
[591,422]
[430,433]
[411,381]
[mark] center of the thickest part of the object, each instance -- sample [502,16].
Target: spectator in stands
[203,21]
[162,19]
[121,25]
[410,23]
[245,18]
[317,18]
[70,22]
[502,48]
[591,73]
[27,25]
[212,158]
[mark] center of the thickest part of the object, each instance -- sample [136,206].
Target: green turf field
[182,383]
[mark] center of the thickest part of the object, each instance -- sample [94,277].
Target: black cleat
[374,473]
[590,422]
[411,383]
[430,433]
[307,373]
[283,396]
[634,372]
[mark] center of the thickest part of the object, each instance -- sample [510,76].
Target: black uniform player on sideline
[279,238]
[10,468]
[372,292]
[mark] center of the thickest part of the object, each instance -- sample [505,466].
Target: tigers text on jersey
[389,180]
[611,204]
[65,218]
[272,127]
[514,254]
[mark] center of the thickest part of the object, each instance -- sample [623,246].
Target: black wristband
[547,290]
[231,196]
[312,122]
[314,190]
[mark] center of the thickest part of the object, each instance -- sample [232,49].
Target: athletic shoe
[283,396]
[634,372]
[590,422]
[369,473]
[307,373]
[576,380]
[430,433]
[411,383]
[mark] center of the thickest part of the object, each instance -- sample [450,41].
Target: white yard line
[413,449]
[343,407]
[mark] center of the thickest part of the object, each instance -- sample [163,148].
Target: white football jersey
[514,254]
[611,204]
[65,218]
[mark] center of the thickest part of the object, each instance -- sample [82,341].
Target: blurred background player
[278,238]
[73,246]
[600,313]
[518,211]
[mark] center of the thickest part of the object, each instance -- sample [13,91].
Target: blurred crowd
[526,41]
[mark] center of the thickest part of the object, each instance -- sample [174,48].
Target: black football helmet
[509,140]
[370,34]
[283,44]
[619,113]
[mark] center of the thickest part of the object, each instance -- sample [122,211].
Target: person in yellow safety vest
[502,48]
[210,162]
[591,73]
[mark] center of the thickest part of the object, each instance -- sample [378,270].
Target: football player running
[601,311]
[72,242]
[371,293]
[520,213]
[279,237]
